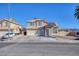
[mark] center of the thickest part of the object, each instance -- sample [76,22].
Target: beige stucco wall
[61,33]
[50,32]
[44,23]
[36,26]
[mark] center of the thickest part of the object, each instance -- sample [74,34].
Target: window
[28,24]
[39,23]
[77,33]
[32,23]
[6,24]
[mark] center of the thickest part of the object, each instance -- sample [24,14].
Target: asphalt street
[40,49]
[5,44]
[23,47]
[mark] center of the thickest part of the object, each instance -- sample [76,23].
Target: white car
[7,35]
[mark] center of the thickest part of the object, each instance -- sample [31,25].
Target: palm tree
[77,12]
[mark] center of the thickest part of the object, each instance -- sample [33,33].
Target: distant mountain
[73,30]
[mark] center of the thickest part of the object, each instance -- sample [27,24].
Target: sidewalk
[64,37]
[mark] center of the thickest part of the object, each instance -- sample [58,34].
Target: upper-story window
[39,23]
[7,24]
[32,24]
[28,24]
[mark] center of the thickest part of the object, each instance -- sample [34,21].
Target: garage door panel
[31,32]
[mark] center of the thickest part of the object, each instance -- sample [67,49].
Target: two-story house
[10,25]
[34,26]
[40,27]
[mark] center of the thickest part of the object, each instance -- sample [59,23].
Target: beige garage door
[31,32]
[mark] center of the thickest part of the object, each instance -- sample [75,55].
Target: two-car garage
[31,32]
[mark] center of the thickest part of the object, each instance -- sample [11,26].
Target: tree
[77,12]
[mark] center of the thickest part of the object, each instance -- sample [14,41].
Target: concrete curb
[44,42]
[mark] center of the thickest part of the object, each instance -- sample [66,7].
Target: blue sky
[62,14]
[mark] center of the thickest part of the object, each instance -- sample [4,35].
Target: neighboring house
[40,27]
[10,25]
[73,32]
[63,32]
[68,32]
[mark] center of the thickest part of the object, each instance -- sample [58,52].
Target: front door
[46,32]
[25,33]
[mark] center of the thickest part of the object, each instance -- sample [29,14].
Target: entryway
[25,33]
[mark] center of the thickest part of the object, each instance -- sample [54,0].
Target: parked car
[7,36]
